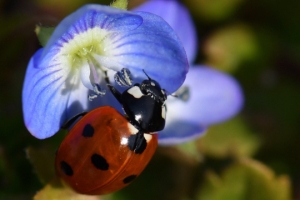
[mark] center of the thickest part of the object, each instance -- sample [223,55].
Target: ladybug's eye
[145,87]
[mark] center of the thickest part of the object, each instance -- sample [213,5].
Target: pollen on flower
[83,53]
[85,50]
[83,47]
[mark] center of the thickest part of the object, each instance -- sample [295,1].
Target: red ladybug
[103,152]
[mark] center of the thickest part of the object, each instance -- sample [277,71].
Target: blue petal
[135,41]
[41,88]
[178,18]
[155,48]
[53,92]
[214,97]
[49,101]
[89,16]
[180,131]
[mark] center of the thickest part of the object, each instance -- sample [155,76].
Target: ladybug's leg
[183,93]
[113,90]
[106,78]
[137,142]
[68,124]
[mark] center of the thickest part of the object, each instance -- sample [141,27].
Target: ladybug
[98,156]
[144,103]
[105,151]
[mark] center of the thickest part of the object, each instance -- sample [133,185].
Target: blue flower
[213,96]
[95,38]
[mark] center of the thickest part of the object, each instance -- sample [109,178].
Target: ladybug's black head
[152,88]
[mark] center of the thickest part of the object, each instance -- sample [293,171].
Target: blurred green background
[253,156]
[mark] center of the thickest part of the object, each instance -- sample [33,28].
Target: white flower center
[82,56]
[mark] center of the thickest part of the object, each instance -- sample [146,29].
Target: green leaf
[55,190]
[246,179]
[121,4]
[43,162]
[227,48]
[216,10]
[190,151]
[43,34]
[232,138]
[186,153]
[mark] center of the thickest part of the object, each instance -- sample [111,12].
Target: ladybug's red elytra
[97,156]
[105,151]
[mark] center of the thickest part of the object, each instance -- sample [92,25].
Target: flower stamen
[95,82]
[93,73]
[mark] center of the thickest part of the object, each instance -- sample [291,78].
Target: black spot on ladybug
[88,131]
[66,168]
[99,162]
[129,179]
[137,143]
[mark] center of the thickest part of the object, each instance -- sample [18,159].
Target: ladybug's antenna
[147,75]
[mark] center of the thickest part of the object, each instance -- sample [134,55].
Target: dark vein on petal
[40,79]
[150,34]
[51,97]
[76,29]
[42,90]
[137,42]
[92,21]
[144,55]
[103,24]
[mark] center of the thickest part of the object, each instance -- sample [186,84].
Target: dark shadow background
[270,78]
